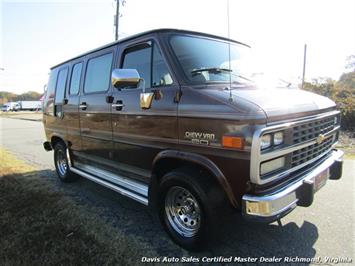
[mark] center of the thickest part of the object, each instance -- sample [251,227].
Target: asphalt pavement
[324,231]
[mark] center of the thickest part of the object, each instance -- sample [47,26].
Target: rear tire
[189,204]
[62,164]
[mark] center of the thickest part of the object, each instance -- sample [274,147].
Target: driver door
[139,134]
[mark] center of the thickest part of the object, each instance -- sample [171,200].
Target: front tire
[189,203]
[62,164]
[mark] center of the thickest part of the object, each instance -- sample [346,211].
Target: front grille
[310,152]
[307,141]
[313,129]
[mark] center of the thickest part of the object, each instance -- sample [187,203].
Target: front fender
[200,161]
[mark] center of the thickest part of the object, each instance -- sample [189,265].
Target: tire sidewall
[60,147]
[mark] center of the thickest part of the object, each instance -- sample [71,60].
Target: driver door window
[139,58]
[148,61]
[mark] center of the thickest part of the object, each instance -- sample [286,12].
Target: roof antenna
[229,56]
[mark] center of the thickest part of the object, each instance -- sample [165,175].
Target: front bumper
[270,207]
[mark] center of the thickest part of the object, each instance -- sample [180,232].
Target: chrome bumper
[267,208]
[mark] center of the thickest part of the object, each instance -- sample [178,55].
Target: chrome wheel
[61,162]
[183,211]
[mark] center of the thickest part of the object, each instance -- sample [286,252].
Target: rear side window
[60,88]
[98,74]
[75,79]
[139,59]
[48,104]
[60,92]
[51,84]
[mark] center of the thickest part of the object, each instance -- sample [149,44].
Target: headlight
[265,141]
[272,165]
[278,138]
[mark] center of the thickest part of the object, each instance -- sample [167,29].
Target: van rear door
[71,108]
[54,119]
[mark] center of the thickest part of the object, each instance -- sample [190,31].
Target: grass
[39,225]
[11,165]
[350,155]
[11,113]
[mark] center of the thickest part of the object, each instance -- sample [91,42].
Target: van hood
[281,103]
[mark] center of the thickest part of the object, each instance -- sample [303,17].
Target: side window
[48,107]
[60,92]
[60,88]
[161,75]
[75,79]
[139,58]
[51,84]
[98,74]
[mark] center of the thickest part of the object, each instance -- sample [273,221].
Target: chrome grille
[300,147]
[313,129]
[310,152]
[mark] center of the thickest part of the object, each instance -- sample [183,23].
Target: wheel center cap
[186,210]
[183,210]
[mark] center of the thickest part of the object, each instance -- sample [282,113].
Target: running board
[138,196]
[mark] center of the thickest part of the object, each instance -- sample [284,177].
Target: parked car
[171,119]
[10,106]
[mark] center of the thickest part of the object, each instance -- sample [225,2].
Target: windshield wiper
[214,70]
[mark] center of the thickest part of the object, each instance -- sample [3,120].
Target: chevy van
[173,120]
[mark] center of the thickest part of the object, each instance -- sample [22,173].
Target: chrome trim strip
[289,191]
[257,157]
[135,194]
[287,172]
[305,119]
[121,181]
[112,164]
[69,158]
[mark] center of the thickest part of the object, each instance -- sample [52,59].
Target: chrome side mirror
[125,77]
[121,78]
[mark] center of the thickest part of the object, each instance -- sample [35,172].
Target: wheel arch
[169,160]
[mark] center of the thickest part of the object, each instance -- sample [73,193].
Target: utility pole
[117,17]
[304,64]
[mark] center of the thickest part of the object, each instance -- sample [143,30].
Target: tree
[341,91]
[12,97]
[350,62]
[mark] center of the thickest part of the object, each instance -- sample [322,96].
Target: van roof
[146,33]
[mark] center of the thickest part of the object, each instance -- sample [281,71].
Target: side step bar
[141,196]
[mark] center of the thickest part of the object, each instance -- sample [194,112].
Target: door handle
[118,105]
[83,106]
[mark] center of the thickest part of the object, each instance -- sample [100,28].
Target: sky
[35,35]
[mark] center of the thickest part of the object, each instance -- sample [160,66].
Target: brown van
[172,119]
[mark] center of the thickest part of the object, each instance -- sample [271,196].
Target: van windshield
[205,60]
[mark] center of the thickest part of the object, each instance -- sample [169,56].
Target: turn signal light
[233,142]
